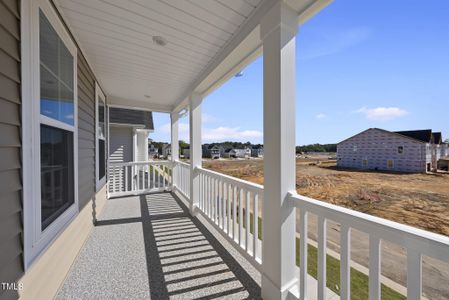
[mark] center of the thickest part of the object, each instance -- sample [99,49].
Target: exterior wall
[86,132]
[43,279]
[377,147]
[11,249]
[121,143]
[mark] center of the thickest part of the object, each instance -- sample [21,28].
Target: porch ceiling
[117,38]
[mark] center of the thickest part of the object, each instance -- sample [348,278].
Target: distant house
[186,153]
[257,151]
[402,151]
[211,151]
[237,153]
[153,152]
[166,151]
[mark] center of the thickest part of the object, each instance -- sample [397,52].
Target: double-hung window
[53,128]
[100,137]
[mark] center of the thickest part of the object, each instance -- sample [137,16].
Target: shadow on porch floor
[150,247]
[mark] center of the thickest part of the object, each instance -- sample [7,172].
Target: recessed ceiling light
[160,41]
[147,96]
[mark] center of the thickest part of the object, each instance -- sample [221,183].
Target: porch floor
[150,247]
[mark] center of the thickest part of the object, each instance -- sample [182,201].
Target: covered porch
[201,234]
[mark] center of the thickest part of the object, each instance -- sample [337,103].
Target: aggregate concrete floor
[148,246]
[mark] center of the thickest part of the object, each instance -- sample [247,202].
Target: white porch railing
[133,178]
[416,242]
[233,206]
[182,178]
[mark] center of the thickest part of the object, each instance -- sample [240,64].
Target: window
[49,127]
[57,112]
[100,137]
[56,173]
[390,164]
[365,162]
[401,149]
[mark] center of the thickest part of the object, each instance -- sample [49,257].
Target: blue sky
[360,64]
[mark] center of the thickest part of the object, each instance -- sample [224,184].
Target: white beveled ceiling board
[208,41]
[117,38]
[245,47]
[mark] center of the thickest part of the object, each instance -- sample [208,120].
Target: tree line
[240,145]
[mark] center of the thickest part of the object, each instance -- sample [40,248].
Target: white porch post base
[195,150]
[278,30]
[271,291]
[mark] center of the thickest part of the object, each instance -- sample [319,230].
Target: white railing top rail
[182,163]
[250,186]
[141,163]
[425,242]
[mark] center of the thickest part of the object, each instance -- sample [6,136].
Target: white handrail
[133,178]
[230,205]
[417,243]
[182,177]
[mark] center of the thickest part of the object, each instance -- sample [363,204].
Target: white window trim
[36,240]
[99,183]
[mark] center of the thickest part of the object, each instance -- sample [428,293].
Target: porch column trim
[174,118]
[278,30]
[195,100]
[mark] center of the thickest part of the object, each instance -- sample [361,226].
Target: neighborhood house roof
[420,135]
[131,116]
[437,138]
[424,136]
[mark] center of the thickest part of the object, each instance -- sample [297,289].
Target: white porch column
[174,117]
[195,149]
[278,30]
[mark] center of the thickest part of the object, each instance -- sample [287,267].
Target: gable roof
[437,137]
[132,117]
[420,135]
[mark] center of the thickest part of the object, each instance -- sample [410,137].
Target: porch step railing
[234,207]
[133,178]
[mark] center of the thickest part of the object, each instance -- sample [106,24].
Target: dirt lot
[419,200]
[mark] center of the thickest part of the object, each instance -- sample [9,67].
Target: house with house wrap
[401,151]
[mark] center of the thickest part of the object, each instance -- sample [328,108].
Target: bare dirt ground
[419,200]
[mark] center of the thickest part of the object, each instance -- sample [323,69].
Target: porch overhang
[134,72]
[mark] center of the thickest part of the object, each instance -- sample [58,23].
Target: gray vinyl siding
[86,132]
[11,228]
[121,143]
[377,147]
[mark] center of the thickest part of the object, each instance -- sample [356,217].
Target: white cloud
[216,134]
[382,113]
[230,134]
[320,116]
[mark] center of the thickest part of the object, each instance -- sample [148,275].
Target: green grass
[359,281]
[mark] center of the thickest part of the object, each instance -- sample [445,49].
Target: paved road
[435,273]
